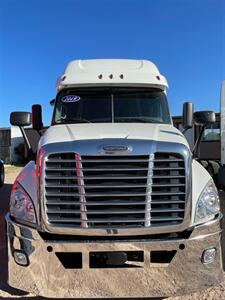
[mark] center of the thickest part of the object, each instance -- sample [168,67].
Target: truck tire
[204,163]
[212,167]
[221,178]
[215,166]
[207,166]
[2,174]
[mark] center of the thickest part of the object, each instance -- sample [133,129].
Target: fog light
[208,256]
[21,258]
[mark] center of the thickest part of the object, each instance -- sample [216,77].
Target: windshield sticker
[70,99]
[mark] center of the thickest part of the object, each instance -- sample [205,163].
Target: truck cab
[114,204]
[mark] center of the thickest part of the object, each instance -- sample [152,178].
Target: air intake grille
[168,189]
[114,191]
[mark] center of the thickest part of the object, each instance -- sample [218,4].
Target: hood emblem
[112,149]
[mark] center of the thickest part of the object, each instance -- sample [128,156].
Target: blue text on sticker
[70,99]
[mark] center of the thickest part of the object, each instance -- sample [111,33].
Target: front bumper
[47,276]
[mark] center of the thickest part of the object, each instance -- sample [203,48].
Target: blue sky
[185,38]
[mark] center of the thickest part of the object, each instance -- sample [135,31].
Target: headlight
[208,203]
[21,206]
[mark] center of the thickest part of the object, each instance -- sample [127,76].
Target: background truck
[115,205]
[210,141]
[221,172]
[2,173]
[2,148]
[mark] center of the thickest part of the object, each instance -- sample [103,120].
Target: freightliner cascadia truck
[112,203]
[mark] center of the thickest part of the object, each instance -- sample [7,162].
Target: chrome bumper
[46,276]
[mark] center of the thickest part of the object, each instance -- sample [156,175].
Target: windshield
[111,105]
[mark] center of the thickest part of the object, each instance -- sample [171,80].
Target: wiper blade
[74,120]
[136,119]
[82,120]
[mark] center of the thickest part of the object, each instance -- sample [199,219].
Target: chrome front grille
[137,191]
[168,189]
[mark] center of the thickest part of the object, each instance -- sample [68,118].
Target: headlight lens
[208,203]
[21,206]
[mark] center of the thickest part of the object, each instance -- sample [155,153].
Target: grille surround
[150,146]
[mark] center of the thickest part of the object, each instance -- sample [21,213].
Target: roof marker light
[63,78]
[121,76]
[158,77]
[100,76]
[111,76]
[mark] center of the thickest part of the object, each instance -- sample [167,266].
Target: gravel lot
[8,293]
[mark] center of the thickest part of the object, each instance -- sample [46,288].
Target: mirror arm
[39,132]
[185,130]
[197,143]
[25,139]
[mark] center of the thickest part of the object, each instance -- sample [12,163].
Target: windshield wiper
[74,120]
[136,119]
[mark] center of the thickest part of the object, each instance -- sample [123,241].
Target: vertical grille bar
[81,189]
[149,192]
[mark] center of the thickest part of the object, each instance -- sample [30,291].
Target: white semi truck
[221,175]
[115,205]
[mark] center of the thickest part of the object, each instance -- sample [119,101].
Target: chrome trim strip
[148,197]
[82,194]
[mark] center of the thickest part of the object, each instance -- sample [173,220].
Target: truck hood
[76,132]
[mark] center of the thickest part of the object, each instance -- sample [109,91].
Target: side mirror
[188,111]
[20,118]
[204,118]
[37,117]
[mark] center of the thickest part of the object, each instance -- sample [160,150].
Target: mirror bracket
[25,138]
[198,141]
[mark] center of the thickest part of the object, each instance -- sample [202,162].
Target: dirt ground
[6,292]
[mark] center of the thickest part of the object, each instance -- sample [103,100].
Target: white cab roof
[107,72]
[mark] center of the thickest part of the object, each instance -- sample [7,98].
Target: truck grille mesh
[114,191]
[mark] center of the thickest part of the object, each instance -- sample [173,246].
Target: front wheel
[2,175]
